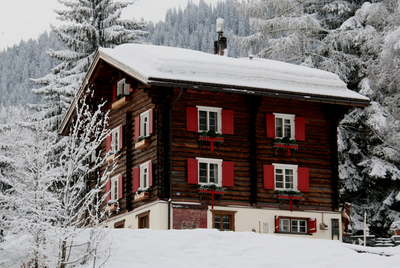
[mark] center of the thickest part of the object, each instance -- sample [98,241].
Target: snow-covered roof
[148,63]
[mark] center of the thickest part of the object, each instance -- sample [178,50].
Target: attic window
[122,87]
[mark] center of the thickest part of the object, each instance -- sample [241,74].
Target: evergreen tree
[195,27]
[20,63]
[286,30]
[90,24]
[369,145]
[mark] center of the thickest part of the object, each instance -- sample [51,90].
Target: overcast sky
[24,19]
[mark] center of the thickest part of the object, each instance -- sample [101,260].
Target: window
[142,176]
[285,125]
[223,220]
[295,225]
[208,171]
[122,87]
[119,224]
[144,124]
[114,189]
[119,89]
[202,118]
[209,119]
[285,177]
[144,220]
[114,140]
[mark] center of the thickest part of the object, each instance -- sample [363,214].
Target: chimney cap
[220,25]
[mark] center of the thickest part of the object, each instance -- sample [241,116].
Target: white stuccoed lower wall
[247,219]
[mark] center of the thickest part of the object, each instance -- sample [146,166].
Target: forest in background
[20,63]
[357,40]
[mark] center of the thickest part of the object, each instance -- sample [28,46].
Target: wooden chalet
[206,141]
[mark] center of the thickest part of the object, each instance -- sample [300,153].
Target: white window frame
[298,226]
[144,175]
[209,161]
[210,109]
[145,124]
[290,117]
[284,167]
[122,87]
[114,189]
[286,225]
[114,146]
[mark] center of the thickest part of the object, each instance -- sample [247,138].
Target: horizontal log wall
[234,148]
[315,152]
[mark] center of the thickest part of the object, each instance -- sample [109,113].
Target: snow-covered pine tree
[10,134]
[286,30]
[194,27]
[90,24]
[369,147]
[27,202]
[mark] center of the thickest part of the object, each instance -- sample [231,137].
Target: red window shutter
[135,179]
[270,124]
[192,171]
[303,179]
[120,186]
[228,174]
[269,177]
[121,132]
[300,130]
[312,225]
[130,88]
[108,188]
[277,228]
[108,143]
[150,173]
[227,122]
[114,93]
[137,128]
[192,123]
[150,121]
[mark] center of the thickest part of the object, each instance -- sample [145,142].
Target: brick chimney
[221,43]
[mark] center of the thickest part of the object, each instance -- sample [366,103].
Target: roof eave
[260,91]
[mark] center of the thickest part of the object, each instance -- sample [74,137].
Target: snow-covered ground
[212,248]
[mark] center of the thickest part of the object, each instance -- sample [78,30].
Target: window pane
[217,222]
[115,190]
[289,179]
[145,119]
[214,173]
[278,178]
[287,128]
[226,219]
[144,178]
[203,172]
[284,225]
[278,126]
[213,121]
[202,121]
[114,142]
[302,226]
[295,227]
